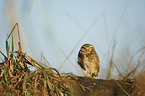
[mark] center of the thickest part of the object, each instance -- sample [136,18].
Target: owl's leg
[91,75]
[87,75]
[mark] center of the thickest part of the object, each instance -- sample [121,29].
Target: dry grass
[17,79]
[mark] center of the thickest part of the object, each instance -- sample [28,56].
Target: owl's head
[87,48]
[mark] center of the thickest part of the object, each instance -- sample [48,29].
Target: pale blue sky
[54,27]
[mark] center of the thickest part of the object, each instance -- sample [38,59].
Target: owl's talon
[86,75]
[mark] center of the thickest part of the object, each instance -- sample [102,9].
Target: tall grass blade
[111,60]
[141,49]
[46,61]
[131,72]
[122,88]
[118,70]
[65,56]
[121,17]
[5,75]
[12,44]
[43,57]
[7,48]
[11,31]
[3,54]
[18,35]
[20,46]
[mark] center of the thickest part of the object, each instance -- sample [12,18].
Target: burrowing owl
[88,60]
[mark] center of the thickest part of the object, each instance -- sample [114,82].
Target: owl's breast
[87,62]
[91,64]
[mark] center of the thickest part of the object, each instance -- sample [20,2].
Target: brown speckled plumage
[88,60]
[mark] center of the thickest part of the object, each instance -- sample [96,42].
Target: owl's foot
[86,75]
[91,75]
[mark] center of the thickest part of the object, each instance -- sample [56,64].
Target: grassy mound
[17,79]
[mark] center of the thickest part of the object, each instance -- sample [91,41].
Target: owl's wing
[80,60]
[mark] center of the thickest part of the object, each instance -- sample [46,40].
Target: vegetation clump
[17,79]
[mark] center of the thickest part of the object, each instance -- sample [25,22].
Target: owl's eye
[82,49]
[90,47]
